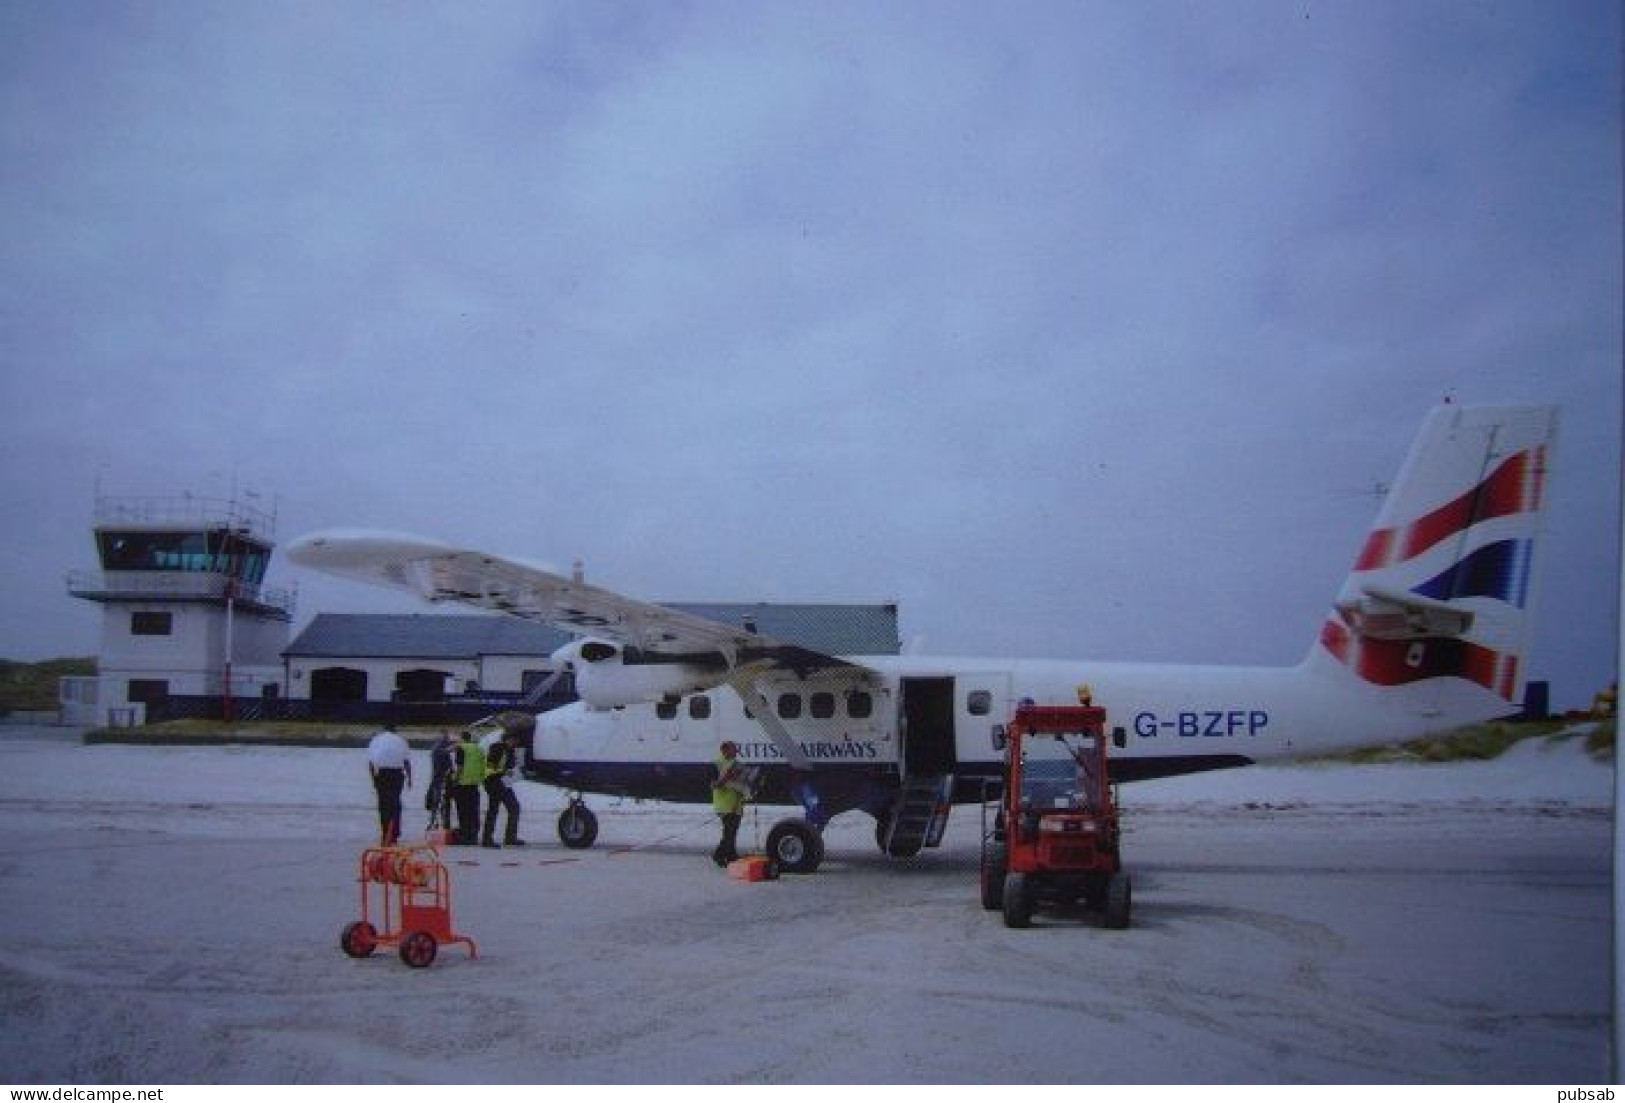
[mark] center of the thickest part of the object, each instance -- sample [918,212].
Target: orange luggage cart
[413,894]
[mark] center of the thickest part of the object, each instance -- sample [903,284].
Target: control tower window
[219,551]
[151,624]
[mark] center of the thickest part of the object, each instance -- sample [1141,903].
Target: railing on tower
[188,510]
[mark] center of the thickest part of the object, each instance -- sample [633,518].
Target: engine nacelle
[606,679]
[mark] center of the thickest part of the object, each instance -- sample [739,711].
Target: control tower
[184,612]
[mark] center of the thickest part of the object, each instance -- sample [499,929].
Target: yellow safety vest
[472,771]
[725,799]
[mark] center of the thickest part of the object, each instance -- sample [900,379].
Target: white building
[352,657]
[184,612]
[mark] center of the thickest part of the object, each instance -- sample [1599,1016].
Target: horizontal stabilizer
[1383,613]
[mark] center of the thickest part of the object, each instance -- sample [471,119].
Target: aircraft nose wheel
[578,827]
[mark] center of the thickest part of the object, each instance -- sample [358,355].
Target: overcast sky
[1080,329]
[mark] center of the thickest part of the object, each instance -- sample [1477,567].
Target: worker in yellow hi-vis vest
[468,774]
[729,788]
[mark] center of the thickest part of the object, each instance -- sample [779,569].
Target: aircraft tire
[994,859]
[796,845]
[578,827]
[1119,901]
[1018,900]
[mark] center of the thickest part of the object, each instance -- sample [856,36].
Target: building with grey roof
[425,656]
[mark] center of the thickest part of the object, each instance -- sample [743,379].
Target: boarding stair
[920,814]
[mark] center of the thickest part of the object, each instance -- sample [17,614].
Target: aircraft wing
[649,633]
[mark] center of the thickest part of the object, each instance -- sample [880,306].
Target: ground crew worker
[728,799]
[437,801]
[499,763]
[467,776]
[390,763]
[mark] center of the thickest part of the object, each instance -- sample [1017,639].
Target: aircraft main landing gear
[578,827]
[796,845]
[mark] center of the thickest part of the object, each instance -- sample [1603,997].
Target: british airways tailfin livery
[1427,633]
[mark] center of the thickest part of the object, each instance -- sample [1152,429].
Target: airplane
[1426,634]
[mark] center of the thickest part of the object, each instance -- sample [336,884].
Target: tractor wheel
[359,939]
[578,827]
[796,845]
[1019,900]
[418,949]
[1119,899]
[994,859]
[1094,891]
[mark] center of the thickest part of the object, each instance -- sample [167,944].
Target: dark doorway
[420,685]
[338,683]
[928,726]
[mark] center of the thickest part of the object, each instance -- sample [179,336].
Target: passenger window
[979,702]
[822,706]
[859,705]
[666,710]
[789,706]
[699,707]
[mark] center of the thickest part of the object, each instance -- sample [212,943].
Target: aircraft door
[927,728]
[983,703]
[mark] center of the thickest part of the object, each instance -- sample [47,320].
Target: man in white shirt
[389,760]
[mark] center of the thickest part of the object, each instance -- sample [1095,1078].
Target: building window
[979,702]
[699,707]
[822,705]
[152,624]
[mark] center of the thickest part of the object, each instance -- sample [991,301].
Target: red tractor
[1053,836]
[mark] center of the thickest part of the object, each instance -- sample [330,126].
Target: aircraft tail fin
[1437,606]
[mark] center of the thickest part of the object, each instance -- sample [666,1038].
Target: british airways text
[1227,722]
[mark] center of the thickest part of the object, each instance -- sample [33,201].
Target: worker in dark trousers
[389,762]
[499,763]
[727,800]
[468,773]
[437,801]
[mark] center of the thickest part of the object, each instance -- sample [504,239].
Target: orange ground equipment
[1054,834]
[754,867]
[413,894]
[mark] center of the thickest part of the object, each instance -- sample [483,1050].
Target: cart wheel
[994,860]
[359,939]
[418,949]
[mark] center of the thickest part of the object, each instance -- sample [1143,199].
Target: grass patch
[1479,742]
[32,687]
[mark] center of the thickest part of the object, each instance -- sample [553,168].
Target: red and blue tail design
[1441,589]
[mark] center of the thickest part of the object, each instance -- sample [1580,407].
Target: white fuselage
[1175,719]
